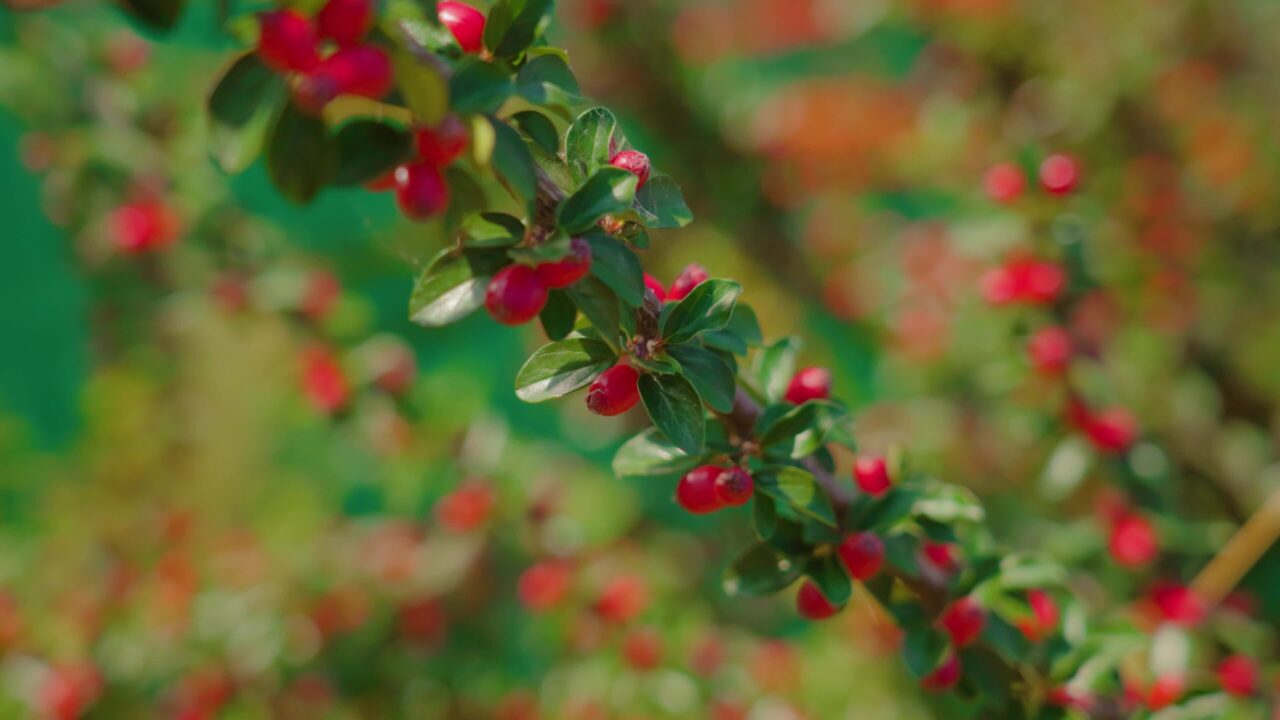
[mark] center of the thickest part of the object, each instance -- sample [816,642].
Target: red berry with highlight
[688,279]
[963,620]
[734,486]
[421,191]
[569,269]
[1004,182]
[809,384]
[944,677]
[287,41]
[696,491]
[1133,541]
[1238,675]
[862,554]
[615,391]
[1178,604]
[465,22]
[1050,350]
[345,21]
[871,474]
[142,227]
[1059,174]
[635,162]
[515,295]
[812,604]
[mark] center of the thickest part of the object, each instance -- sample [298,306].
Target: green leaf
[829,575]
[492,230]
[479,87]
[660,204]
[452,286]
[660,364]
[550,164]
[589,143]
[513,162]
[301,157]
[774,367]
[558,315]
[710,376]
[539,129]
[156,14]
[547,80]
[923,649]
[675,409]
[948,503]
[651,454]
[760,570]
[707,307]
[617,266]
[424,89]
[798,489]
[1007,640]
[805,427]
[552,249]
[887,511]
[609,190]
[513,25]
[742,332]
[240,110]
[599,305]
[368,149]
[559,368]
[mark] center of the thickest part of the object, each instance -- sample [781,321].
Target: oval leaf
[760,570]
[707,307]
[675,409]
[651,454]
[561,367]
[452,287]
[368,149]
[589,143]
[302,157]
[618,267]
[609,190]
[710,375]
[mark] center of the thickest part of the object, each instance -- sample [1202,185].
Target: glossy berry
[569,269]
[1044,616]
[871,474]
[642,649]
[615,391]
[466,508]
[963,620]
[1050,350]
[812,604]
[696,491]
[544,585]
[465,22]
[143,227]
[287,41]
[622,599]
[515,295]
[1004,182]
[1133,541]
[633,161]
[421,192]
[862,554]
[1165,691]
[1059,174]
[345,21]
[1238,675]
[1178,604]
[809,384]
[443,143]
[323,381]
[655,285]
[944,677]
[1111,431]
[688,279]
[734,486]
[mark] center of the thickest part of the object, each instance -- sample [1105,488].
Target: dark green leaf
[1007,640]
[887,511]
[599,305]
[675,409]
[368,149]
[710,376]
[661,364]
[661,205]
[804,428]
[651,454]
[923,649]
[559,368]
[798,489]
[829,575]
[609,190]
[513,25]
[707,307]
[240,111]
[156,14]
[513,163]
[558,316]
[479,87]
[546,80]
[617,266]
[492,230]
[424,89]
[760,570]
[452,286]
[539,129]
[301,157]
[589,143]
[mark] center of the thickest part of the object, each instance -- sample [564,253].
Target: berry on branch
[696,491]
[345,21]
[691,277]
[569,269]
[809,384]
[862,554]
[871,474]
[515,295]
[421,191]
[615,391]
[734,486]
[635,162]
[812,604]
[465,22]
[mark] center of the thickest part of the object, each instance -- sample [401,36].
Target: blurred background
[236,482]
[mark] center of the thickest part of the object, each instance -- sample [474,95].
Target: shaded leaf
[301,157]
[558,315]
[599,305]
[760,570]
[617,266]
[559,368]
[368,149]
[707,307]
[607,191]
[660,204]
[711,377]
[798,489]
[479,87]
[589,143]
[652,454]
[675,409]
[539,129]
[513,162]
[240,110]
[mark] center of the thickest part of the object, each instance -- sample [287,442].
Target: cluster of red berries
[1026,281]
[1004,182]
[143,226]
[419,184]
[708,488]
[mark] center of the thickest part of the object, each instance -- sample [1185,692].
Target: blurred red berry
[288,41]
[963,620]
[812,604]
[465,22]
[688,279]
[323,380]
[1238,675]
[1165,691]
[734,486]
[320,295]
[363,70]
[1040,282]
[1004,182]
[421,191]
[345,21]
[615,391]
[944,677]
[1178,604]
[394,366]
[942,558]
[862,554]
[544,585]
[635,162]
[655,285]
[1133,541]
[569,269]
[1111,431]
[1050,350]
[696,491]
[466,508]
[422,621]
[144,226]
[642,648]
[871,474]
[443,143]
[809,384]
[622,599]
[1044,616]
[1059,174]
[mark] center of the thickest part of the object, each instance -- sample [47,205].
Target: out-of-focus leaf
[760,570]
[301,157]
[368,149]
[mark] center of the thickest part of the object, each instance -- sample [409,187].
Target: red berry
[288,41]
[1058,174]
[940,557]
[1165,691]
[863,555]
[999,286]
[569,269]
[812,604]
[465,22]
[543,585]
[345,21]
[1044,616]
[642,648]
[143,227]
[688,279]
[696,491]
[1040,282]
[1178,604]
[1004,182]
[1238,675]
[1133,541]
[384,182]
[443,143]
[622,599]
[945,677]
[422,621]
[421,191]
[466,508]
[1112,430]
[323,381]
[363,70]
[734,486]
[615,391]
[871,474]
[1050,350]
[809,384]
[635,162]
[1066,697]
[963,620]
[655,285]
[515,295]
